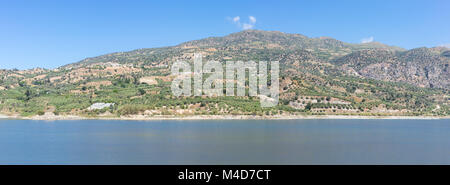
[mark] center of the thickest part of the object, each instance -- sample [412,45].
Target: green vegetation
[317,77]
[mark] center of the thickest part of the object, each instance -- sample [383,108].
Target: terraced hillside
[318,76]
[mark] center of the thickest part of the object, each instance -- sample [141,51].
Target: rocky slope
[318,76]
[423,67]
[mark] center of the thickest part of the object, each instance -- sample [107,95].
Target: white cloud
[252,19]
[244,25]
[236,19]
[367,40]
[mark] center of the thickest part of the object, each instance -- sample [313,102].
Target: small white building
[98,106]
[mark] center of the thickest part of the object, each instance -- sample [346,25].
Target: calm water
[225,142]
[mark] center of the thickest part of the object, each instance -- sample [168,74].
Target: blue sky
[53,33]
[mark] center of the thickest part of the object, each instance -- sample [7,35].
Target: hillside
[423,67]
[318,76]
[243,44]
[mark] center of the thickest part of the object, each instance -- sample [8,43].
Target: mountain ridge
[284,41]
[245,42]
[317,76]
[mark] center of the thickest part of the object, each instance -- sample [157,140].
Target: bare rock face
[423,67]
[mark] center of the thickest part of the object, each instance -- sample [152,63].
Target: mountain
[242,43]
[318,76]
[423,67]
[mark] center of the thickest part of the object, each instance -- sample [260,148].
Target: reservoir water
[225,142]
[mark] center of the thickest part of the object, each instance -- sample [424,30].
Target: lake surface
[225,142]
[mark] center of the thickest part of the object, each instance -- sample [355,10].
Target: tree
[135,80]
[141,91]
[308,106]
[28,94]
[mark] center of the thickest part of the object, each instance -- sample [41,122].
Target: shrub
[131,109]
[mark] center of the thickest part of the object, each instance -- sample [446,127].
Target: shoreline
[219,117]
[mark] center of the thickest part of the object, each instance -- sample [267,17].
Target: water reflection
[225,142]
